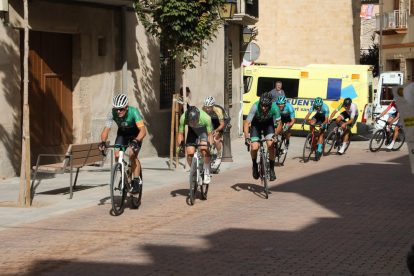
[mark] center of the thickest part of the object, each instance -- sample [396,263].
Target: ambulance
[302,85]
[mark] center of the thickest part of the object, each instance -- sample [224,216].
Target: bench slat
[84,147]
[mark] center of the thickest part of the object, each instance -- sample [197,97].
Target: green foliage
[183,26]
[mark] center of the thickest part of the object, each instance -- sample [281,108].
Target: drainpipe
[124,52]
[380,53]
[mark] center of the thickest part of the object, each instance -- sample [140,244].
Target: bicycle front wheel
[349,140]
[193,180]
[307,148]
[136,198]
[204,191]
[264,172]
[400,140]
[377,140]
[281,155]
[329,143]
[118,191]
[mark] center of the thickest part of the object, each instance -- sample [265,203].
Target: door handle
[246,101]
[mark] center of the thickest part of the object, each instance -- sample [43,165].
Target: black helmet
[347,102]
[266,99]
[192,114]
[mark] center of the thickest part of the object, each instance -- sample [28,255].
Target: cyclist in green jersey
[199,127]
[264,117]
[131,130]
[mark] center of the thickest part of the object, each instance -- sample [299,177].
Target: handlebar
[117,146]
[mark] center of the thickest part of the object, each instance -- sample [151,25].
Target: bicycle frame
[121,161]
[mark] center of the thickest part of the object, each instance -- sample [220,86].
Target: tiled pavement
[343,215]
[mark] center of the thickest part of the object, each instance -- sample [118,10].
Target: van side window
[247,83]
[370,93]
[290,86]
[386,95]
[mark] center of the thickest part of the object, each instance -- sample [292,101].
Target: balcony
[395,22]
[247,12]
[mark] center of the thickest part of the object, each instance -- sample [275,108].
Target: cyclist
[287,113]
[350,113]
[321,116]
[263,116]
[219,120]
[394,117]
[199,127]
[131,130]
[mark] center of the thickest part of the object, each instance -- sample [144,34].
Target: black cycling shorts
[216,124]
[319,118]
[192,136]
[345,116]
[393,116]
[256,129]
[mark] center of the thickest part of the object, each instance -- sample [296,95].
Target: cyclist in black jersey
[131,130]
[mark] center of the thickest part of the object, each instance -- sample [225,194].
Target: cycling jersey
[324,110]
[126,124]
[352,111]
[218,113]
[257,113]
[203,121]
[392,104]
[288,111]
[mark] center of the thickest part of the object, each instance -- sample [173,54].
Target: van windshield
[247,83]
[290,86]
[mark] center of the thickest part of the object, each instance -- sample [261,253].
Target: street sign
[251,52]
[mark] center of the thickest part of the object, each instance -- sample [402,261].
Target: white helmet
[120,101]
[209,101]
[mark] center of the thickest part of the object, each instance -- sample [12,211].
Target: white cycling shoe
[391,146]
[206,179]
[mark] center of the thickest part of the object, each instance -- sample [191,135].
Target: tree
[372,57]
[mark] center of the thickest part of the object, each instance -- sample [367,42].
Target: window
[386,95]
[290,86]
[370,93]
[167,78]
[396,4]
[411,7]
[247,83]
[230,75]
[101,46]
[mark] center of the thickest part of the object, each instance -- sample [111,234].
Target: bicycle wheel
[307,148]
[136,198]
[349,141]
[400,140]
[118,193]
[264,172]
[193,180]
[204,191]
[329,143]
[377,140]
[281,155]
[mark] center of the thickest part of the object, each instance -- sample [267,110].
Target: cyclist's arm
[142,131]
[107,128]
[307,117]
[278,128]
[292,122]
[220,116]
[277,121]
[333,114]
[180,135]
[292,117]
[396,118]
[220,127]
[249,119]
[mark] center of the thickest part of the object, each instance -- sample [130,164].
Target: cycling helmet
[281,99]
[209,101]
[192,114]
[318,101]
[266,99]
[347,102]
[120,101]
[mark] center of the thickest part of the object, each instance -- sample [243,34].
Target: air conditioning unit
[4,6]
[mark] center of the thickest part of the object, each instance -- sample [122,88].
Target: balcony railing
[393,22]
[247,12]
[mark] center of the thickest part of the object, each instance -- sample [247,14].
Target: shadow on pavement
[66,190]
[258,190]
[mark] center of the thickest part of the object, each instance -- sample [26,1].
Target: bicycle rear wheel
[400,140]
[307,148]
[281,152]
[136,198]
[349,141]
[264,173]
[193,180]
[377,140]
[118,193]
[329,143]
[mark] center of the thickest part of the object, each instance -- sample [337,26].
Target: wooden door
[396,4]
[50,93]
[396,65]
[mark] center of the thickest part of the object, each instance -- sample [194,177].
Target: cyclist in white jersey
[350,113]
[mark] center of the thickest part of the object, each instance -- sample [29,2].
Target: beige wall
[97,79]
[297,33]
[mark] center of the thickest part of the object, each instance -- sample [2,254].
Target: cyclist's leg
[318,120]
[397,127]
[220,136]
[191,139]
[119,140]
[255,130]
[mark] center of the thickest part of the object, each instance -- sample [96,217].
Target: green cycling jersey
[131,119]
[203,121]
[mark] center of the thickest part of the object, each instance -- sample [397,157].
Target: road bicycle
[386,135]
[281,149]
[120,184]
[214,156]
[197,174]
[335,139]
[311,144]
[263,165]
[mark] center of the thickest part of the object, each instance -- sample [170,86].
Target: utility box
[4,6]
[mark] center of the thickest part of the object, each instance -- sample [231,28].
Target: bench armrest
[45,154]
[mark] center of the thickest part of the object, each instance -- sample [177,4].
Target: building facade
[77,52]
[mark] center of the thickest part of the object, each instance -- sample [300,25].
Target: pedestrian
[277,91]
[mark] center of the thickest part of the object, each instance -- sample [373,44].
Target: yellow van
[302,85]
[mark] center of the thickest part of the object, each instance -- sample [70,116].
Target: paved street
[343,215]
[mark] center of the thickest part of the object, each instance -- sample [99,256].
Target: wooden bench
[77,156]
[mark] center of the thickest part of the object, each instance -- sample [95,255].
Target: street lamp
[228,9]
[247,34]
[227,12]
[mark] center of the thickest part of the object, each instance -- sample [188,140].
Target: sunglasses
[120,109]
